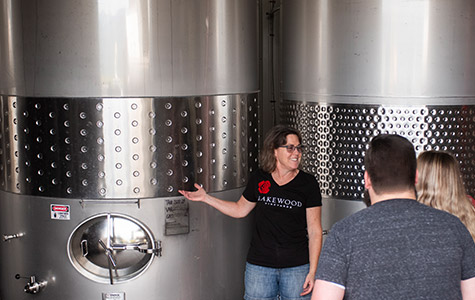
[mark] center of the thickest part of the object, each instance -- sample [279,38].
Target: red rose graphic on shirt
[264,186]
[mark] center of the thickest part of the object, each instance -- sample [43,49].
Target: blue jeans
[263,283]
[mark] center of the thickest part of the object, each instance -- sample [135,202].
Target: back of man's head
[391,164]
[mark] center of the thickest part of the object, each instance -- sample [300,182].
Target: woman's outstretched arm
[238,209]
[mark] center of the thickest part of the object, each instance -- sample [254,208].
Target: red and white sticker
[60,212]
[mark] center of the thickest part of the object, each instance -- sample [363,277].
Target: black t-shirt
[280,237]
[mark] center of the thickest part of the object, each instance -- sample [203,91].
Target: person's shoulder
[433,212]
[348,222]
[259,173]
[307,176]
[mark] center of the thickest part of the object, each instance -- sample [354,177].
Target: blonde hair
[440,186]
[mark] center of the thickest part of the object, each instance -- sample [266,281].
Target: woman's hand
[308,284]
[198,195]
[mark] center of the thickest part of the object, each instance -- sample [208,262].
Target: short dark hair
[391,163]
[275,138]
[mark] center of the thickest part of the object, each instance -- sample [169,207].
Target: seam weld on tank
[354,69]
[107,108]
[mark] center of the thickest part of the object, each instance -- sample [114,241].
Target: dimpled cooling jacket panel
[336,136]
[126,147]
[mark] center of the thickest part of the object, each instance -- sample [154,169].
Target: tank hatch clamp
[141,247]
[33,286]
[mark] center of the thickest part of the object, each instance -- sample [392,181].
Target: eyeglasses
[291,148]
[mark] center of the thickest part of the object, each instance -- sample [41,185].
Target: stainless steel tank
[354,69]
[107,108]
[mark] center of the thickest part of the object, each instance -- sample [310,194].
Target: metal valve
[33,286]
[7,237]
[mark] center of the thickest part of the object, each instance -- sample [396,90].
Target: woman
[440,185]
[287,238]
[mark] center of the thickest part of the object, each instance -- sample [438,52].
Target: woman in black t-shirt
[287,238]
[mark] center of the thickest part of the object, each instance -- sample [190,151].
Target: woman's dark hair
[275,138]
[391,163]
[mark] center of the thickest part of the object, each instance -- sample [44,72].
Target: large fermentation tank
[354,69]
[107,108]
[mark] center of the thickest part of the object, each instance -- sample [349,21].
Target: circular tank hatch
[112,248]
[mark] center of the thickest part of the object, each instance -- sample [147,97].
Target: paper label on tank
[60,212]
[113,296]
[176,216]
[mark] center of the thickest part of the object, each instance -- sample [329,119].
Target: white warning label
[113,296]
[60,212]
